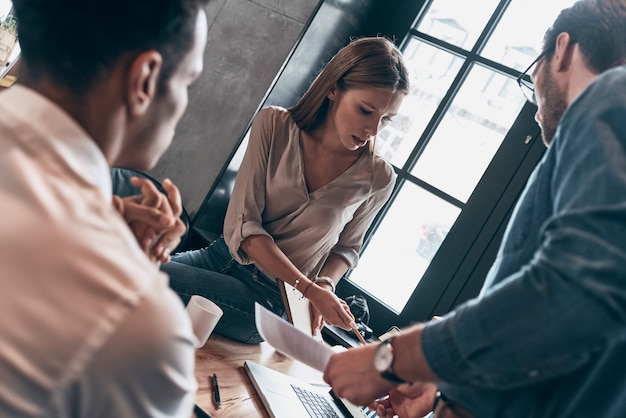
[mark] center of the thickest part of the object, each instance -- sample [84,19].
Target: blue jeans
[214,274]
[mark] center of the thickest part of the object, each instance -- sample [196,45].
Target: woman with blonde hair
[308,188]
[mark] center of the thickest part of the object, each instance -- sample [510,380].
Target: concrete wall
[248,43]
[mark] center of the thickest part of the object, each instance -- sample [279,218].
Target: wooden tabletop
[225,358]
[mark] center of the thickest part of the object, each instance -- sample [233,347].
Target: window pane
[518,37]
[470,133]
[399,253]
[5,6]
[458,22]
[432,70]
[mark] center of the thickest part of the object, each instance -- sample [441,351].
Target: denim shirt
[547,335]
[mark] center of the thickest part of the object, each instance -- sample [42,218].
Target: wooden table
[225,357]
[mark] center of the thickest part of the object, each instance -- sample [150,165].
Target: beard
[552,107]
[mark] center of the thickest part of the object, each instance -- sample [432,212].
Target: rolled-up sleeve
[247,201]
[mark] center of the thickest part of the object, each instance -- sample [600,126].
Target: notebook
[297,307]
[288,397]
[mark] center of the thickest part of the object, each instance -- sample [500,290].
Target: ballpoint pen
[216,392]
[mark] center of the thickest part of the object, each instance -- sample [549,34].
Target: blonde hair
[364,62]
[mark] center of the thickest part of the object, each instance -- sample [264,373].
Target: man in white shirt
[90,327]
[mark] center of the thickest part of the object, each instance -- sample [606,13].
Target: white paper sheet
[291,341]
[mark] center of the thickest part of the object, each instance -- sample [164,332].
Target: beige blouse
[270,197]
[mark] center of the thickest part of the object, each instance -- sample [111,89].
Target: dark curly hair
[77,42]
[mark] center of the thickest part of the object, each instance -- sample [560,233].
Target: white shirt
[89,325]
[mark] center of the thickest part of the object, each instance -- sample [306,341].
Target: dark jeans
[212,273]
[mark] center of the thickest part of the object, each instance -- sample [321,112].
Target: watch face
[384,357]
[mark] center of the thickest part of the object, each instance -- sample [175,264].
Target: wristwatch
[383,361]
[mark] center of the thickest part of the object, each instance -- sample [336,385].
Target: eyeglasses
[527,86]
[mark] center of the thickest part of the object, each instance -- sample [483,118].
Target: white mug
[204,315]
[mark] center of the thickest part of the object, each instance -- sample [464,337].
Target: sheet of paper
[290,340]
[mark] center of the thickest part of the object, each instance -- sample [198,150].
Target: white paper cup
[204,315]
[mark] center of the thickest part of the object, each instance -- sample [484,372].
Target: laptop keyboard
[314,403]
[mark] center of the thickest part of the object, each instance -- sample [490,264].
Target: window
[9,46]
[5,8]
[463,146]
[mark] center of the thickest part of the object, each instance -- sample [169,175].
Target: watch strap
[391,376]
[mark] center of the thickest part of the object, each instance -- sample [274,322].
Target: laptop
[288,397]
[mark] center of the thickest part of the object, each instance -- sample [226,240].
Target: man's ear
[142,81]
[563,52]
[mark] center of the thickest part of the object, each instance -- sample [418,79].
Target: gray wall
[248,43]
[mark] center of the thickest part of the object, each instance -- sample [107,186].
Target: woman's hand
[326,307]
[153,217]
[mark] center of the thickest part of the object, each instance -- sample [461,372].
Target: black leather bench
[208,223]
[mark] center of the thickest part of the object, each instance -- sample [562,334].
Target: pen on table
[216,392]
[357,333]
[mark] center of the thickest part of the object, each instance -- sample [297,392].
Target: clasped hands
[153,217]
